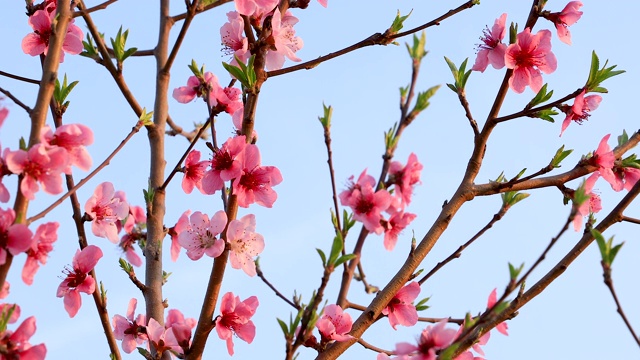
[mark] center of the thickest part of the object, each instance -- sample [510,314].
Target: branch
[278,293]
[527,112]
[183,16]
[375,39]
[608,281]
[16,100]
[102,6]
[20,78]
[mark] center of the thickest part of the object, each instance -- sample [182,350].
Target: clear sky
[574,319]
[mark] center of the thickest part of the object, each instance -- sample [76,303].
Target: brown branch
[608,281]
[102,6]
[375,39]
[16,100]
[278,293]
[20,78]
[200,9]
[366,345]
[528,112]
[456,254]
[467,111]
[191,13]
[631,220]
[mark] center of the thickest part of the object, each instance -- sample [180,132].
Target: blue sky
[362,86]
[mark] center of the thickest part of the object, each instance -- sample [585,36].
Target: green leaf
[545,114]
[322,256]
[61,91]
[541,97]
[623,139]
[284,327]
[421,305]
[511,198]
[325,120]
[514,272]
[336,249]
[145,118]
[598,75]
[398,22]
[560,155]
[422,101]
[417,51]
[344,258]
[237,73]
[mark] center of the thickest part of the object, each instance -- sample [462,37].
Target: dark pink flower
[197,88]
[400,309]
[592,205]
[78,278]
[244,243]
[493,298]
[323,2]
[179,330]
[14,238]
[175,231]
[106,209]
[3,114]
[605,159]
[334,324]
[527,57]
[286,43]
[255,8]
[134,227]
[492,50]
[256,181]
[73,138]
[433,338]
[201,236]
[567,17]
[396,223]
[631,176]
[227,100]
[226,165]
[39,164]
[46,235]
[235,318]
[15,344]
[129,329]
[193,172]
[161,338]
[579,112]
[405,177]
[37,42]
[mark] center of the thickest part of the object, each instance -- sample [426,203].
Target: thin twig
[467,111]
[102,6]
[608,281]
[631,220]
[16,100]
[366,345]
[278,293]
[183,16]
[528,112]
[20,78]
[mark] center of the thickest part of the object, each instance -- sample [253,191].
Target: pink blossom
[73,138]
[365,203]
[567,17]
[175,231]
[4,192]
[492,50]
[235,318]
[286,41]
[605,159]
[42,244]
[527,57]
[233,40]
[255,8]
[631,176]
[15,344]
[592,205]
[162,339]
[4,292]
[14,309]
[227,99]
[256,181]
[180,333]
[579,112]
[14,238]
[226,164]
[197,88]
[244,243]
[334,324]
[37,42]
[491,301]
[39,164]
[405,177]
[433,338]
[193,172]
[396,223]
[400,309]
[78,278]
[129,329]
[201,236]
[106,210]
[134,227]
[323,2]
[3,114]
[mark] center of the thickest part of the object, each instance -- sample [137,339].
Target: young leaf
[398,22]
[560,155]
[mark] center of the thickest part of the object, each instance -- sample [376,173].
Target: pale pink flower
[226,164]
[605,159]
[366,204]
[3,114]
[433,338]
[323,2]
[580,109]
[400,309]
[129,329]
[197,88]
[78,278]
[193,172]
[15,344]
[396,223]
[255,8]
[334,324]
[468,355]
[350,196]
[134,227]
[286,41]
[256,181]
[631,176]
[39,164]
[527,57]
[180,327]
[106,210]
[201,236]
[233,40]
[244,243]
[42,244]
[161,338]
[492,50]
[405,177]
[4,192]
[567,17]
[175,231]
[235,318]
[37,42]
[14,238]
[227,99]
[491,301]
[592,205]
[73,138]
